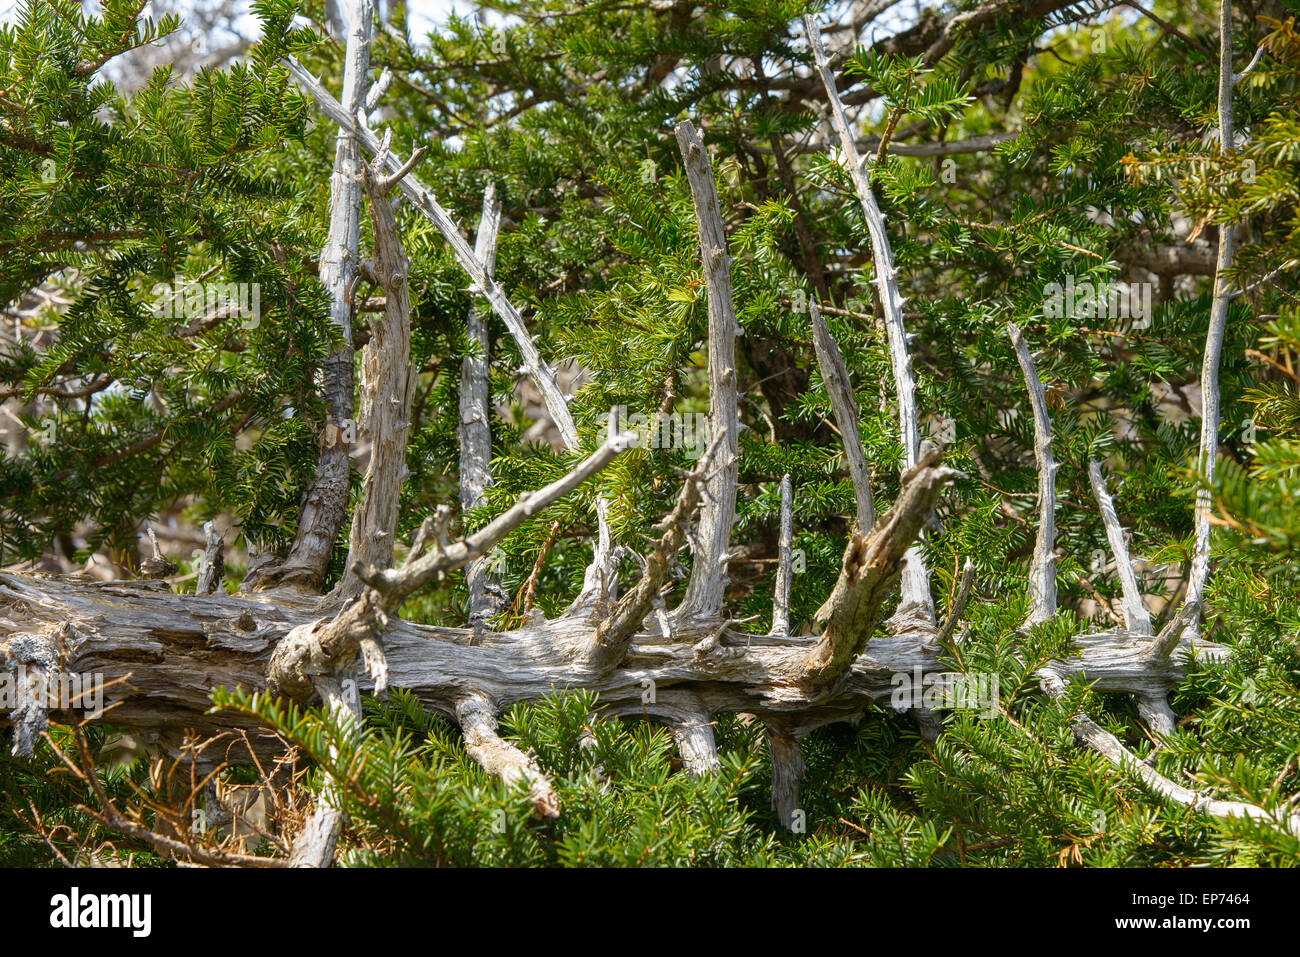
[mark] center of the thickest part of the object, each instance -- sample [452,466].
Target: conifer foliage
[1004,334]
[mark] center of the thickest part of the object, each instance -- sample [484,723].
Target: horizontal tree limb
[161,654]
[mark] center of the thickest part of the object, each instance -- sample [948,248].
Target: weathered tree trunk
[387,387]
[324,506]
[169,651]
[917,608]
[1209,443]
[475,408]
[704,591]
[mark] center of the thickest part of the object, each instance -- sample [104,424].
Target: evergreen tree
[1053,169]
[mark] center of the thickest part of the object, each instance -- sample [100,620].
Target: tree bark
[917,609]
[387,388]
[475,407]
[167,652]
[1209,444]
[324,505]
[704,591]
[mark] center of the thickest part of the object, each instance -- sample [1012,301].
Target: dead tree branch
[212,564]
[387,389]
[845,408]
[784,568]
[475,408]
[870,566]
[324,506]
[327,647]
[1106,744]
[615,633]
[599,573]
[1223,295]
[478,721]
[1136,617]
[917,608]
[1042,570]
[788,769]
[707,585]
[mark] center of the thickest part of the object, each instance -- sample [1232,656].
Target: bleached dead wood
[707,584]
[1106,744]
[324,505]
[614,634]
[1042,570]
[1223,295]
[973,144]
[159,642]
[315,844]
[330,646]
[1172,633]
[320,655]
[692,729]
[788,769]
[785,563]
[34,661]
[176,648]
[475,405]
[845,408]
[869,569]
[387,389]
[157,565]
[1151,694]
[1136,617]
[600,572]
[696,746]
[1149,679]
[478,722]
[958,603]
[212,563]
[1152,706]
[917,607]
[154,644]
